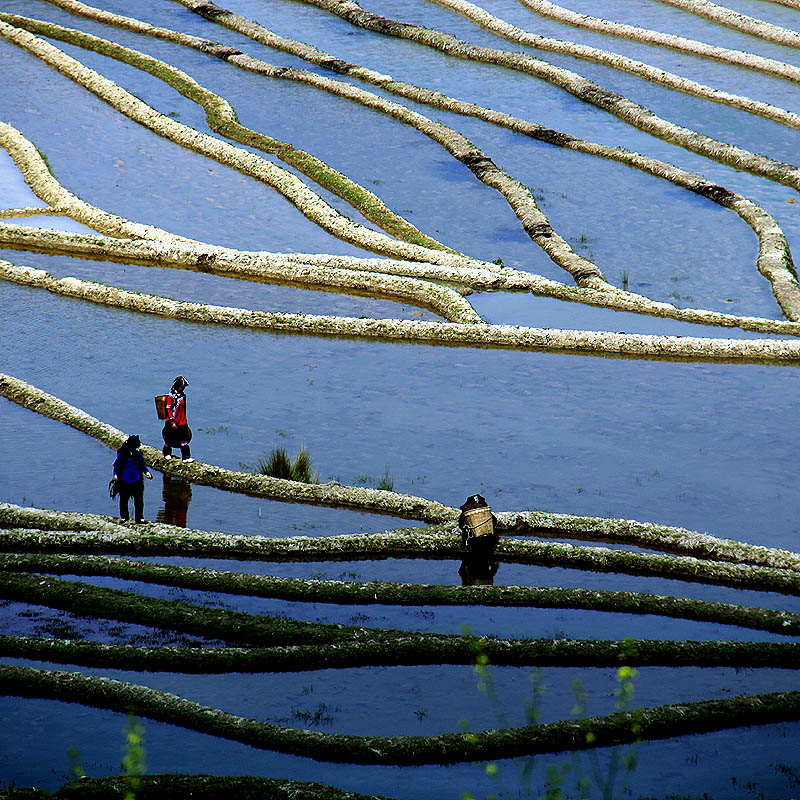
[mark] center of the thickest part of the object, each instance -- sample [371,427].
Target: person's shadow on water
[176,494]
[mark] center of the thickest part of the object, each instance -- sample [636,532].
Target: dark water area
[709,447]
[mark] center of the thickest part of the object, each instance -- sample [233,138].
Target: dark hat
[474,501]
[180,382]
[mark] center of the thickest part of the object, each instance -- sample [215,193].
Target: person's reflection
[176,494]
[478,570]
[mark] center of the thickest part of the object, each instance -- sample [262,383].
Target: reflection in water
[176,494]
[477,570]
[538,425]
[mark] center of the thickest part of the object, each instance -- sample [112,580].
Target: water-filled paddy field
[689,441]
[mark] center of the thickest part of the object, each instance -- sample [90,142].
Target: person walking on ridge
[129,474]
[176,431]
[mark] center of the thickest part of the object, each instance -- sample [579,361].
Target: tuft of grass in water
[316,718]
[279,465]
[301,469]
[386,481]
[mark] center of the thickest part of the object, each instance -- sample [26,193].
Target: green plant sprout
[386,481]
[597,782]
[76,770]
[133,762]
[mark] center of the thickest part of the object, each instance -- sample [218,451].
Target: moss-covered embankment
[620,728]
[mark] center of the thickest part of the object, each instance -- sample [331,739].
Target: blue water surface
[710,447]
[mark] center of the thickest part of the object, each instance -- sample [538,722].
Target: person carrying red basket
[176,431]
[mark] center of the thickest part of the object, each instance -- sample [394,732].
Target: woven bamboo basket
[161,405]
[479,521]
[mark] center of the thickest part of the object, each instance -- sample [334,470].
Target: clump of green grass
[279,465]
[386,481]
[301,469]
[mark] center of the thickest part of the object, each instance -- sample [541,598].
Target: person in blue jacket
[129,474]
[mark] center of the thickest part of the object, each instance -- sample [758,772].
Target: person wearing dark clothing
[479,534]
[176,431]
[477,524]
[129,474]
